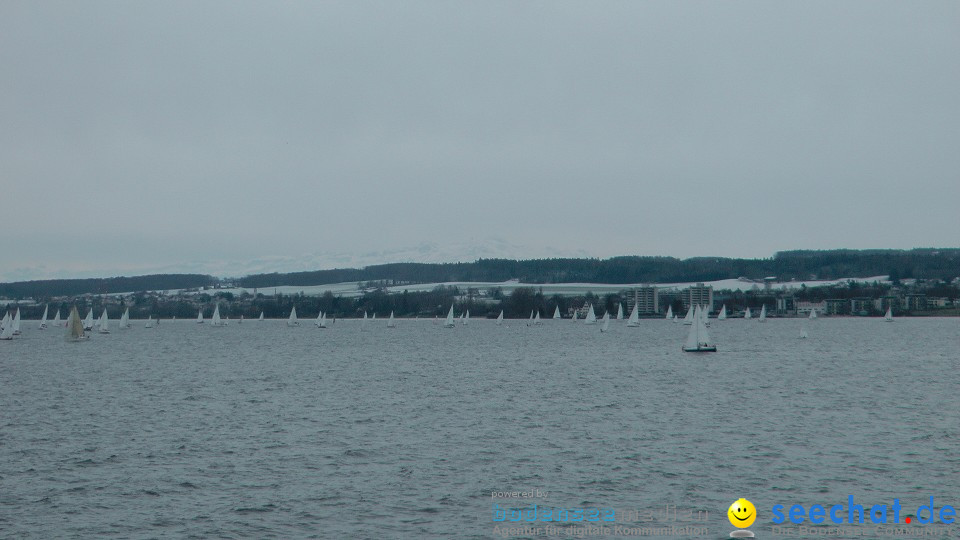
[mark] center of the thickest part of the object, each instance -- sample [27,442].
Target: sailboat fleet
[697,317]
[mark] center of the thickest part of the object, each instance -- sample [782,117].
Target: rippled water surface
[259,430]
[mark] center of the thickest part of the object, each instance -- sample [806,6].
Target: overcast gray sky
[137,136]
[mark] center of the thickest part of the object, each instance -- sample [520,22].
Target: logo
[742,513]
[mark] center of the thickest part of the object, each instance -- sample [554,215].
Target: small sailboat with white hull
[104,323]
[698,340]
[216,321]
[43,319]
[634,320]
[292,320]
[449,322]
[591,316]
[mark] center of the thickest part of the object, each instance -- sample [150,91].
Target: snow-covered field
[354,288]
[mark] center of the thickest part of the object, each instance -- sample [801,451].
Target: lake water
[259,430]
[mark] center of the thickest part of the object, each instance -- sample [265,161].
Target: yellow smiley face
[742,513]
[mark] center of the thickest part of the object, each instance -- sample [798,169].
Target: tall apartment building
[646,299]
[698,295]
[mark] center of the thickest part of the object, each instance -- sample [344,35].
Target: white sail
[536,320]
[763,314]
[390,322]
[746,313]
[688,319]
[7,325]
[465,318]
[698,340]
[88,320]
[888,317]
[74,325]
[591,316]
[619,312]
[216,320]
[16,323]
[241,319]
[500,318]
[104,323]
[803,332]
[556,312]
[575,315]
[261,316]
[125,319]
[722,316]
[669,312]
[606,322]
[200,316]
[292,320]
[319,320]
[449,322]
[149,323]
[43,319]
[634,317]
[813,314]
[56,317]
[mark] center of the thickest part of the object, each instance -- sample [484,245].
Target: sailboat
[465,318]
[390,322]
[634,317]
[149,323]
[125,319]
[763,314]
[888,317]
[88,320]
[803,332]
[591,316]
[813,314]
[321,320]
[241,319]
[698,340]
[200,316]
[536,320]
[688,318]
[292,321]
[556,312]
[7,326]
[606,322]
[500,318]
[216,320]
[669,313]
[261,317]
[75,326]
[574,314]
[104,323]
[619,312]
[56,318]
[43,319]
[16,323]
[530,322]
[449,322]
[722,316]
[705,315]
[746,313]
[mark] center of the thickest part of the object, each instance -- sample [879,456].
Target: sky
[231,137]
